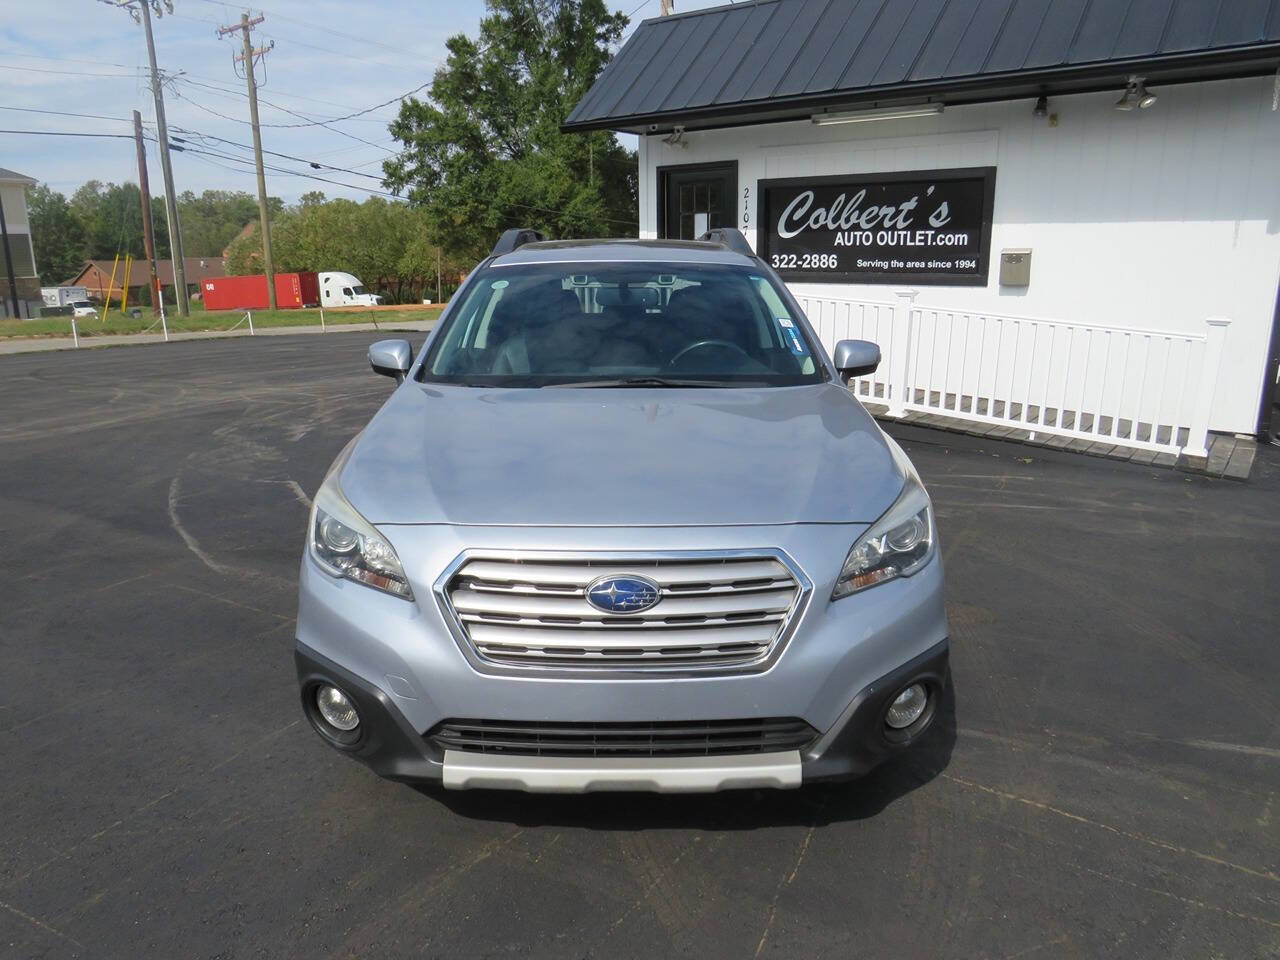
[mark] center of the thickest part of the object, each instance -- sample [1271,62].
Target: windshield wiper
[644,382]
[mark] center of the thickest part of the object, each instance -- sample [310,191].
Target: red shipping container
[293,291]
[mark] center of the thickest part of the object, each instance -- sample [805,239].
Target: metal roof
[198,269]
[763,60]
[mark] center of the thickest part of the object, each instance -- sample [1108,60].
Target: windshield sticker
[500,284]
[790,336]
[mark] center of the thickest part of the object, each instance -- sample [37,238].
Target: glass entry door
[694,199]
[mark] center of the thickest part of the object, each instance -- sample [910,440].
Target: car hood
[621,457]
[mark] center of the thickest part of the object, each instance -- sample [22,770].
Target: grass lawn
[117,322]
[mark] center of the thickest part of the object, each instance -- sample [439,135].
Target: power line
[327,125]
[232,93]
[70,73]
[291,173]
[96,63]
[346,55]
[213,83]
[315,26]
[317,165]
[384,145]
[67,133]
[64,113]
[350,116]
[311,121]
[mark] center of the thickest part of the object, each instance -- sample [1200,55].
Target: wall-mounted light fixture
[884,113]
[1041,108]
[675,137]
[1137,95]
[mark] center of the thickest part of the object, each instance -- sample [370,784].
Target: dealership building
[1057,216]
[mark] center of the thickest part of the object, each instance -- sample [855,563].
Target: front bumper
[408,673]
[855,744]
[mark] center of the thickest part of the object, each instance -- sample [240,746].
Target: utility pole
[141,10]
[148,241]
[247,59]
[668,7]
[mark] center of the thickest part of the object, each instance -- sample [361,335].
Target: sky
[330,60]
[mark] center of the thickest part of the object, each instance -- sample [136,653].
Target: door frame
[1270,390]
[664,172]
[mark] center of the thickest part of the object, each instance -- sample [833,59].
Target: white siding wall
[14,198]
[15,206]
[1152,219]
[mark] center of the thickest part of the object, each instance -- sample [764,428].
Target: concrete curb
[41,344]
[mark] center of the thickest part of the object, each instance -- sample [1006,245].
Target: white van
[345,290]
[63,296]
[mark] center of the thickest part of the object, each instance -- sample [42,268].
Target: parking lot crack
[37,922]
[192,544]
[1138,837]
[782,885]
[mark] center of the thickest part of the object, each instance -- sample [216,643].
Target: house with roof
[19,279]
[1060,217]
[96,276]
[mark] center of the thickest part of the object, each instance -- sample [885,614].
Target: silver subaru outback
[622,526]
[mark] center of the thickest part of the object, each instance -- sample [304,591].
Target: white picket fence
[1146,389]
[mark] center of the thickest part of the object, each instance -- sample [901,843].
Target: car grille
[712,612]
[695,738]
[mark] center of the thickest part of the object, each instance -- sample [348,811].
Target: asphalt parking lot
[1106,782]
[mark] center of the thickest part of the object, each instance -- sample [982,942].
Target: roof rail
[516,237]
[730,237]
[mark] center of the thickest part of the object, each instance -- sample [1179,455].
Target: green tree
[387,245]
[59,239]
[110,219]
[484,152]
[212,220]
[110,215]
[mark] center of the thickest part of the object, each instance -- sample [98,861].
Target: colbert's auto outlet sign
[928,227]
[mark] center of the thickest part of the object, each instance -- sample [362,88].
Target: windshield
[623,324]
[82,303]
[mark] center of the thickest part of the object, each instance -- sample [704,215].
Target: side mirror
[856,358]
[391,358]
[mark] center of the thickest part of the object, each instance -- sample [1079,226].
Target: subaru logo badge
[624,594]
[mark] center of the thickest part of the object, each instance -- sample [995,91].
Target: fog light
[339,712]
[907,707]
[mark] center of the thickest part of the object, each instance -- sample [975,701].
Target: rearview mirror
[391,358]
[856,358]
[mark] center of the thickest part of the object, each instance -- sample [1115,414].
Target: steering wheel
[702,345]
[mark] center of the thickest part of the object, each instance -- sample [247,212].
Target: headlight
[897,545]
[346,545]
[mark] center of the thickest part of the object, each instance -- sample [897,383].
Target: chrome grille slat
[597,661]
[679,590]
[466,601]
[548,637]
[632,626]
[713,613]
[662,572]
